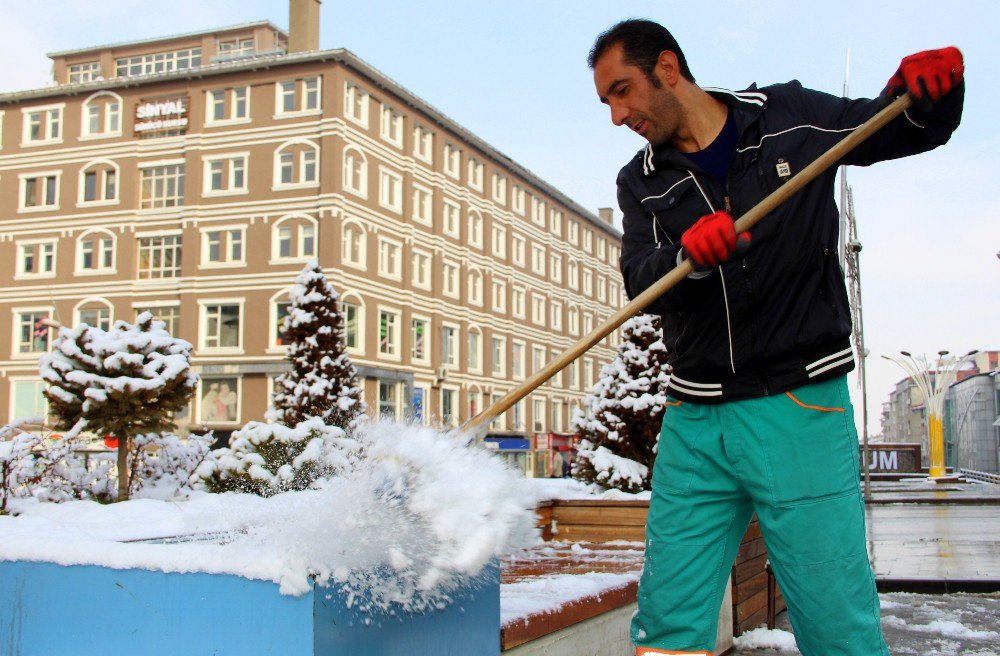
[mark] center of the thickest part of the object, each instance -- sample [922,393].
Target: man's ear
[668,67]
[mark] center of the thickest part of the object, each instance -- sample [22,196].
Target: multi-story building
[194,176]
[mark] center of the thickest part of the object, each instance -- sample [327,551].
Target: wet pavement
[952,543]
[917,625]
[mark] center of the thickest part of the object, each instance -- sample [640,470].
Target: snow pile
[554,489]
[615,471]
[418,515]
[763,638]
[548,594]
[946,628]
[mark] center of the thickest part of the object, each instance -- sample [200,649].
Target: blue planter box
[50,610]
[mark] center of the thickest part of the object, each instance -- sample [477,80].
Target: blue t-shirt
[714,159]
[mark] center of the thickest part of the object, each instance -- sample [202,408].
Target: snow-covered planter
[396,554]
[266,459]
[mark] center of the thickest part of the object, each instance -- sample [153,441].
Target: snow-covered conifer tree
[621,428]
[124,382]
[322,382]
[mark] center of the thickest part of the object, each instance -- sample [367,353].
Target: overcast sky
[514,72]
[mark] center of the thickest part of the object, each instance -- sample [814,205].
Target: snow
[419,515]
[555,489]
[763,638]
[547,594]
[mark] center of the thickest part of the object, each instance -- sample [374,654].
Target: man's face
[646,106]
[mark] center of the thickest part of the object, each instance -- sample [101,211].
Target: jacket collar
[747,105]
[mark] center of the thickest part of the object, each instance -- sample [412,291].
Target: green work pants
[793,459]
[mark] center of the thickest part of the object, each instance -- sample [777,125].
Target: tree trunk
[122,468]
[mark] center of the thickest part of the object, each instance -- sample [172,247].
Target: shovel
[685,268]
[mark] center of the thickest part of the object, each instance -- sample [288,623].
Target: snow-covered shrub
[163,464]
[266,459]
[624,411]
[322,381]
[123,382]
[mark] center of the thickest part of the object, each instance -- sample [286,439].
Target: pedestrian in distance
[759,418]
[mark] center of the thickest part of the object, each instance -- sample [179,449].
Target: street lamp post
[934,386]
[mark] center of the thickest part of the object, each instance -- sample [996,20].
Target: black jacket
[777,317]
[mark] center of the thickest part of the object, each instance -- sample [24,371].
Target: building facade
[194,177]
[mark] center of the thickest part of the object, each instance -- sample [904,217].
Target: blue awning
[508,443]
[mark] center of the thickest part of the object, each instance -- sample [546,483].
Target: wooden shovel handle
[678,273]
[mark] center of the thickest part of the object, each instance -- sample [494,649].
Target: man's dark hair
[642,42]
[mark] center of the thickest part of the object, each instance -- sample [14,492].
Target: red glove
[927,75]
[713,240]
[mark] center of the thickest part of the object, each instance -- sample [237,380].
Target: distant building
[193,176]
[971,421]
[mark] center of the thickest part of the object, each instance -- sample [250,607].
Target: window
[392,126]
[517,359]
[538,309]
[101,115]
[498,423]
[86,72]
[296,96]
[388,400]
[388,333]
[450,279]
[557,414]
[499,188]
[537,359]
[353,319]
[517,415]
[474,174]
[475,287]
[423,144]
[452,160]
[293,238]
[161,186]
[538,259]
[588,323]
[227,106]
[602,288]
[573,274]
[449,406]
[279,312]
[475,234]
[36,258]
[517,302]
[95,253]
[355,172]
[94,314]
[296,164]
[555,314]
[236,47]
[557,377]
[574,374]
[537,211]
[169,314]
[538,414]
[225,174]
[160,62]
[27,399]
[423,205]
[602,249]
[588,282]
[499,296]
[574,321]
[390,190]
[588,373]
[475,352]
[474,404]
[42,125]
[517,200]
[588,240]
[32,330]
[159,256]
[421,269]
[221,325]
[223,246]
[499,242]
[419,328]
[353,245]
[99,183]
[356,104]
[517,246]
[499,356]
[574,233]
[40,190]
[219,400]
[452,212]
[555,267]
[390,258]
[555,222]
[449,345]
